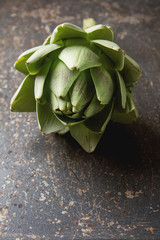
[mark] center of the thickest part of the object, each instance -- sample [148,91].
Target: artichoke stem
[88,22]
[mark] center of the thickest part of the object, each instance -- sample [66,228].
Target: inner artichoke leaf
[131,71]
[77,115]
[20,63]
[99,122]
[63,104]
[79,57]
[100,32]
[23,100]
[69,121]
[103,84]
[121,90]
[85,137]
[82,91]
[113,51]
[93,108]
[34,62]
[51,99]
[67,30]
[47,121]
[40,79]
[60,78]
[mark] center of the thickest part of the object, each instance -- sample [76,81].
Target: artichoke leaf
[76,115]
[88,22]
[40,79]
[63,104]
[20,63]
[99,122]
[67,30]
[63,131]
[100,32]
[23,100]
[51,99]
[122,90]
[61,78]
[103,84]
[82,91]
[34,62]
[47,40]
[58,105]
[128,115]
[113,51]
[79,57]
[85,137]
[126,118]
[93,108]
[131,71]
[47,120]
[107,63]
[69,120]
[129,103]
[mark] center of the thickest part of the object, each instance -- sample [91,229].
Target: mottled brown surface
[50,188]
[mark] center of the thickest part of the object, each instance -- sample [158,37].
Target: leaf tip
[11,109]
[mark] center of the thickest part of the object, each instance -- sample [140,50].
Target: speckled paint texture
[49,187]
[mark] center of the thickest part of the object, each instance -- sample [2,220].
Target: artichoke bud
[77,80]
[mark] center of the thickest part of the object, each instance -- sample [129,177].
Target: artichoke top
[77,81]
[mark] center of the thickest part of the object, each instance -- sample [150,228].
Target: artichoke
[77,81]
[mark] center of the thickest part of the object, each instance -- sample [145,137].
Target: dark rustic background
[49,187]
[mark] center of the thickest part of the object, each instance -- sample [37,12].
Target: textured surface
[49,187]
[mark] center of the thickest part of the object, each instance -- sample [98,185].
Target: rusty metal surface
[49,187]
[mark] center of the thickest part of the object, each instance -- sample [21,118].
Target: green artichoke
[77,81]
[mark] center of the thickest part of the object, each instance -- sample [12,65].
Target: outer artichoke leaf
[82,91]
[103,84]
[40,79]
[85,137]
[61,78]
[47,120]
[100,32]
[129,103]
[77,42]
[99,122]
[63,131]
[23,99]
[20,63]
[93,108]
[131,71]
[79,57]
[67,30]
[47,40]
[128,115]
[107,63]
[126,118]
[34,63]
[113,51]
[122,90]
